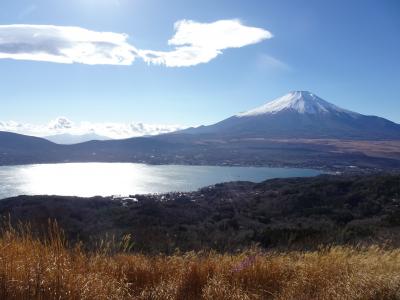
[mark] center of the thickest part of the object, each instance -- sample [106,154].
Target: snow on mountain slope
[301,114]
[302,102]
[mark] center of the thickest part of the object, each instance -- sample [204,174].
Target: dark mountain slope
[23,149]
[14,141]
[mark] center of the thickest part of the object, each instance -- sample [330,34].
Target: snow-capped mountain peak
[302,102]
[299,114]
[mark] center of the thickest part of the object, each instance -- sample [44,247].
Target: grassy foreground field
[32,268]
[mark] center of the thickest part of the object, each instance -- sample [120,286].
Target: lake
[106,179]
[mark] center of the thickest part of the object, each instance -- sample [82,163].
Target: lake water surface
[105,179]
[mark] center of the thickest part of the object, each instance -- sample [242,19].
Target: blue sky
[347,52]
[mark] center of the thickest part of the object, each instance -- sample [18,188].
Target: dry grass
[48,269]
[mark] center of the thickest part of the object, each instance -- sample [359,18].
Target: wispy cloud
[108,129]
[193,43]
[272,63]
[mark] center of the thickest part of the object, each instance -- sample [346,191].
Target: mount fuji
[301,114]
[298,130]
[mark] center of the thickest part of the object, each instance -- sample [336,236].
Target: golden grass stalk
[33,268]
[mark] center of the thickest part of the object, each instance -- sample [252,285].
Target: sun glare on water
[86,179]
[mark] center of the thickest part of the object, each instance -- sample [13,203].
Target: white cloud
[193,43]
[201,42]
[62,44]
[61,123]
[109,129]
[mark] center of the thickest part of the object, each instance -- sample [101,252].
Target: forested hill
[298,212]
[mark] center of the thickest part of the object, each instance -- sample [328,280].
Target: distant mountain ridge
[297,130]
[301,114]
[68,139]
